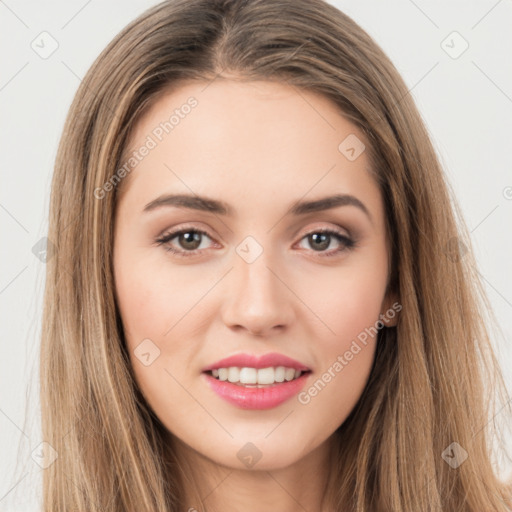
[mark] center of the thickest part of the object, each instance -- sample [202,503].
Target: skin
[260,147]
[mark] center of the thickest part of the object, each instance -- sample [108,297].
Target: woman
[263,296]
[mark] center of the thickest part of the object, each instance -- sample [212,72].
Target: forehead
[243,140]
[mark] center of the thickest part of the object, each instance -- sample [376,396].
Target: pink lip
[253,397]
[265,361]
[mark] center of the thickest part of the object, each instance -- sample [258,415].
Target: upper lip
[250,361]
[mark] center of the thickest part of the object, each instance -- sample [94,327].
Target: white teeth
[233,374]
[265,375]
[248,376]
[254,376]
[289,374]
[279,374]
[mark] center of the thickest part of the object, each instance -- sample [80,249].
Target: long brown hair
[435,378]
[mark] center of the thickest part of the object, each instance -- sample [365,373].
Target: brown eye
[185,242]
[321,239]
[189,240]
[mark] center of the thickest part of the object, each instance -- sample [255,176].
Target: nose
[257,298]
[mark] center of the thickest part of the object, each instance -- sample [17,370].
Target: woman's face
[253,274]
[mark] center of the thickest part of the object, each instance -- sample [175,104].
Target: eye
[320,240]
[190,240]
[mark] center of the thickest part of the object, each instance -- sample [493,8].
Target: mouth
[256,377]
[256,388]
[250,381]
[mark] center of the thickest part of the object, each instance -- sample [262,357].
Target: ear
[390,310]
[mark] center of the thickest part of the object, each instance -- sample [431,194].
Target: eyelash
[164,240]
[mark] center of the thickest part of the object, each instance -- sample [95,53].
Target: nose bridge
[256,299]
[256,277]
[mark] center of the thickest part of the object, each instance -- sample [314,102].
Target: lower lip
[256,398]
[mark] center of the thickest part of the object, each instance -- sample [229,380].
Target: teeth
[262,376]
[249,376]
[289,374]
[233,374]
[279,374]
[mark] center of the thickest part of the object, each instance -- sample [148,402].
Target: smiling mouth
[256,377]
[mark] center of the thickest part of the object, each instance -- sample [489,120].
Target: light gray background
[465,101]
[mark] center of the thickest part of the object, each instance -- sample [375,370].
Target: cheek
[161,309]
[140,305]
[346,357]
[348,303]
[346,300]
[151,308]
[150,299]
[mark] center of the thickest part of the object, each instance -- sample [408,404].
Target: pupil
[324,238]
[191,240]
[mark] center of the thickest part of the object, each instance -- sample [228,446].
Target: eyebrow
[207,204]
